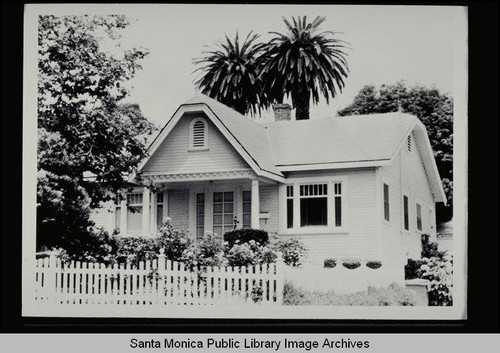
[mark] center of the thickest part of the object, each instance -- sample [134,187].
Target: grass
[394,295]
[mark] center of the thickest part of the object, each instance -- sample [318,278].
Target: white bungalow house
[354,187]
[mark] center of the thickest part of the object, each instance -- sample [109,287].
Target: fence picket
[153,282]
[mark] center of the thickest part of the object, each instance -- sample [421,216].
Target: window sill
[314,230]
[199,149]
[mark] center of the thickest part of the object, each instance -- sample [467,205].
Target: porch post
[123,215]
[255,209]
[145,212]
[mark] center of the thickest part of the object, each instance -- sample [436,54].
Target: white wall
[407,176]
[360,240]
[173,155]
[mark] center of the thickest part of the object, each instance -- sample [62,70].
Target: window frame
[317,229]
[191,135]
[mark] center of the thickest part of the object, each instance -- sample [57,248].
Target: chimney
[282,112]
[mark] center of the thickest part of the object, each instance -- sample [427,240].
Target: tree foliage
[303,62]
[83,127]
[230,74]
[432,107]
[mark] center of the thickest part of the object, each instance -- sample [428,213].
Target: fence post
[51,278]
[280,278]
[161,275]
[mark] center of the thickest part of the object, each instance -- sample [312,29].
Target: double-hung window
[406,218]
[419,217]
[387,208]
[134,215]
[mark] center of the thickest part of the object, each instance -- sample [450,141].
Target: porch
[197,203]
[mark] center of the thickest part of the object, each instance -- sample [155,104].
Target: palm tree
[230,74]
[303,62]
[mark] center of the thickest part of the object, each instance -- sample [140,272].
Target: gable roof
[338,140]
[331,143]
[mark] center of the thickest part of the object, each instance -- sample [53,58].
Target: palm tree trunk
[300,101]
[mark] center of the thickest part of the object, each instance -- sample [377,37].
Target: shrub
[294,251]
[330,263]
[411,268]
[210,250]
[351,264]
[257,294]
[241,236]
[374,264]
[175,242]
[394,295]
[439,272]
[135,249]
[242,255]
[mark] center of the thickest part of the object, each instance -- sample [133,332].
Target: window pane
[217,196]
[289,213]
[246,220]
[159,197]
[199,232]
[228,207]
[247,196]
[386,203]
[313,211]
[134,220]
[200,208]
[200,198]
[218,230]
[159,216]
[217,220]
[228,219]
[200,220]
[228,196]
[247,207]
[406,218]
[338,211]
[217,208]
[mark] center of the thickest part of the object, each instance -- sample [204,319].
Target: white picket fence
[156,282]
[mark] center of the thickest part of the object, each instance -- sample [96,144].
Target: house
[361,187]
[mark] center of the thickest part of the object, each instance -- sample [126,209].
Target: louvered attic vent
[409,143]
[198,134]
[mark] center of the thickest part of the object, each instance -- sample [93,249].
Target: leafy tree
[303,62]
[83,129]
[433,108]
[230,74]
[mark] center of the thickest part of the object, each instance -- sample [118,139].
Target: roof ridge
[348,137]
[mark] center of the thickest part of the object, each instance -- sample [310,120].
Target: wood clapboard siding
[104,217]
[361,239]
[407,176]
[173,156]
[178,201]
[269,202]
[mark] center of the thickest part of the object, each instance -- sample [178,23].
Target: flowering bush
[293,250]
[439,272]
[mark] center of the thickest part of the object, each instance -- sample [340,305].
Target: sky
[389,44]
